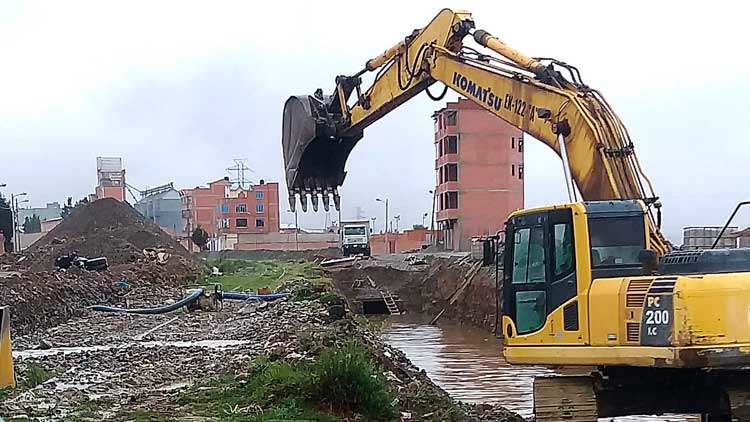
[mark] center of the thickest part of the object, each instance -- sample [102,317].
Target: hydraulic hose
[192,297]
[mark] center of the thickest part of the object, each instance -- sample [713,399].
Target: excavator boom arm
[529,95]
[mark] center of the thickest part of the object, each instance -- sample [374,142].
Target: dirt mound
[44,299]
[105,227]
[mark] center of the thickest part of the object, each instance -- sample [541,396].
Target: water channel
[467,363]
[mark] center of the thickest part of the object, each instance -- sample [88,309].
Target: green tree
[6,223]
[32,224]
[69,207]
[200,238]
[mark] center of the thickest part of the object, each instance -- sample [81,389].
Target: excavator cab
[314,151]
[551,257]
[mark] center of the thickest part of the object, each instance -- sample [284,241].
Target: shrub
[348,380]
[278,380]
[37,375]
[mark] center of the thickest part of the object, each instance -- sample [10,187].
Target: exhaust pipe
[315,152]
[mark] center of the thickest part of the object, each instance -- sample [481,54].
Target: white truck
[355,237]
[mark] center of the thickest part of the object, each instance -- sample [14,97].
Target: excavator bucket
[314,151]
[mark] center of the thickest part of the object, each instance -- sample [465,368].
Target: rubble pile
[44,299]
[42,295]
[105,227]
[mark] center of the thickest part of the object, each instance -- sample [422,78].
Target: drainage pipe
[192,297]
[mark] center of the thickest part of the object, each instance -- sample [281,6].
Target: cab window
[528,256]
[564,251]
[616,241]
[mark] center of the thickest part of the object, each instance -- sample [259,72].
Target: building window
[440,148]
[512,142]
[259,222]
[258,194]
[240,208]
[240,222]
[520,144]
[224,223]
[520,171]
[259,208]
[451,144]
[451,173]
[450,118]
[451,200]
[224,208]
[512,169]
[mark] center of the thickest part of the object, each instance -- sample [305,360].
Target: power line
[239,170]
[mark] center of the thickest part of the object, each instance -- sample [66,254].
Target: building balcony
[449,214]
[447,186]
[446,159]
[448,130]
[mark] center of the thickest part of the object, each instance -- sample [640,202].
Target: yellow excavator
[592,283]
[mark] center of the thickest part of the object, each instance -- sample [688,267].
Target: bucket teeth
[336,199]
[315,197]
[292,201]
[326,201]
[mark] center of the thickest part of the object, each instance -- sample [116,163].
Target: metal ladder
[390,303]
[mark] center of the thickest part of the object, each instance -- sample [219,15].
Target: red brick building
[251,211]
[407,240]
[479,172]
[225,212]
[200,205]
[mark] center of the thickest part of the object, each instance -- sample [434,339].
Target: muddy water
[467,363]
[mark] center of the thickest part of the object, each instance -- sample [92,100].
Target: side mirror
[649,261]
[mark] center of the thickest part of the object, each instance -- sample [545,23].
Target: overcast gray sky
[179,89]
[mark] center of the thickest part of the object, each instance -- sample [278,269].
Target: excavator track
[564,398]
[739,403]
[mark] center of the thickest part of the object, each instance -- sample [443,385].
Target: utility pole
[433,238]
[385,223]
[296,231]
[14,212]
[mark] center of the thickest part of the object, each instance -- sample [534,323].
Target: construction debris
[89,264]
[339,262]
[43,297]
[160,255]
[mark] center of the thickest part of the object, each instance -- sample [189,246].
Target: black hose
[192,297]
[439,97]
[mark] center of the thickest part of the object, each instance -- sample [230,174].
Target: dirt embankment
[427,289]
[42,296]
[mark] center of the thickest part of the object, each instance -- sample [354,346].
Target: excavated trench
[429,289]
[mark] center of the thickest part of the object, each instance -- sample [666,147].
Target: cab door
[539,282]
